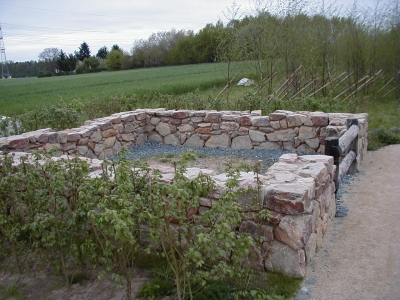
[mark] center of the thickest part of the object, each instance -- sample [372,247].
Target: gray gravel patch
[152,148]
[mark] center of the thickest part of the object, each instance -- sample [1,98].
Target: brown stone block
[109,133]
[244,121]
[203,130]
[289,198]
[180,115]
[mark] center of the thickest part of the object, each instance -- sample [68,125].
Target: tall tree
[102,53]
[84,52]
[49,58]
[66,63]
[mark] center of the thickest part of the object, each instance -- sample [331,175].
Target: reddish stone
[68,146]
[180,115]
[43,138]
[320,119]
[212,117]
[290,199]
[276,116]
[105,126]
[175,122]
[18,143]
[244,121]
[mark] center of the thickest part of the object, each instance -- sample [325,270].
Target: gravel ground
[151,148]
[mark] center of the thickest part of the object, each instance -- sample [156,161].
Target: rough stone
[194,141]
[96,136]
[129,128]
[262,121]
[307,132]
[171,139]
[276,116]
[257,136]
[180,114]
[223,141]
[257,231]
[108,133]
[109,142]
[289,198]
[281,258]
[294,231]
[185,128]
[244,121]
[294,120]
[241,142]
[155,136]
[213,117]
[319,119]
[163,129]
[281,135]
[230,126]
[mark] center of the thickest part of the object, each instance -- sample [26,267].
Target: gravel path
[360,257]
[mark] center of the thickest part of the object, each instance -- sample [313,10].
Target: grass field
[16,95]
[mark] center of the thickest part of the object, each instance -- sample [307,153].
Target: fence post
[353,146]
[332,148]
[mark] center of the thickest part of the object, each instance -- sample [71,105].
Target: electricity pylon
[4,68]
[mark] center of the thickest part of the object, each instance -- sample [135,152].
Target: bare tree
[49,58]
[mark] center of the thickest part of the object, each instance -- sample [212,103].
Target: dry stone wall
[298,190]
[103,137]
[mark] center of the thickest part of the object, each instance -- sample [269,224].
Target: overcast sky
[29,26]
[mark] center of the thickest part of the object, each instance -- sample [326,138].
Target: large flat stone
[223,141]
[282,258]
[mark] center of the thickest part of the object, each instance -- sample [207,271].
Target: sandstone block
[319,119]
[17,142]
[262,121]
[96,136]
[244,121]
[213,117]
[73,137]
[163,129]
[183,114]
[223,141]
[155,136]
[242,142]
[257,136]
[108,133]
[68,146]
[230,126]
[277,116]
[282,258]
[281,135]
[109,142]
[294,120]
[287,198]
[307,132]
[82,150]
[275,125]
[141,139]
[313,143]
[62,137]
[186,128]
[128,128]
[140,116]
[194,141]
[171,139]
[294,231]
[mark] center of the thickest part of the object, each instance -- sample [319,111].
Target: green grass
[28,93]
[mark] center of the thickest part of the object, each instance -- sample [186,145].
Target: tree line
[284,37]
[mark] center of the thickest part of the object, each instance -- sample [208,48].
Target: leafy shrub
[381,137]
[156,287]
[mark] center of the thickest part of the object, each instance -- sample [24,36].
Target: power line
[95,15]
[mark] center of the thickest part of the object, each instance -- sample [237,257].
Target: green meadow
[21,94]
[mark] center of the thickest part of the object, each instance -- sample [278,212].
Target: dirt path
[360,257]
